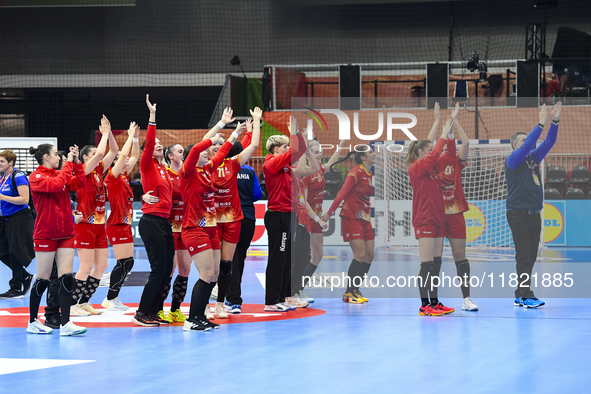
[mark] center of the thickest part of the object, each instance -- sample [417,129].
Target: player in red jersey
[356,221]
[199,224]
[54,231]
[227,202]
[428,215]
[91,236]
[449,171]
[119,231]
[315,185]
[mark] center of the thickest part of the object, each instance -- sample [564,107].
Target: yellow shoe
[351,299]
[88,308]
[177,316]
[163,316]
[358,294]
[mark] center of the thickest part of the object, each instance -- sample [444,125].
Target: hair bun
[32,150]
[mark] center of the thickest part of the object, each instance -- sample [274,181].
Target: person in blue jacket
[525,200]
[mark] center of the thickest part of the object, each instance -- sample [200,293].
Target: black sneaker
[11,294]
[144,320]
[27,284]
[210,323]
[197,325]
[52,322]
[160,320]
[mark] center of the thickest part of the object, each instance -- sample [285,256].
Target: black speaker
[437,85]
[350,87]
[528,80]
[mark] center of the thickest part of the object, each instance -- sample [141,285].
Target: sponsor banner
[567,223]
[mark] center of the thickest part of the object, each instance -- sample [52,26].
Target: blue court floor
[383,346]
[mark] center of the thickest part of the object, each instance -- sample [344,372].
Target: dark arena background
[65,63]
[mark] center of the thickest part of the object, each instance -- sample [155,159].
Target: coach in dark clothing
[525,199]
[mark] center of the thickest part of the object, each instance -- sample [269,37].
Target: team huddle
[198,208]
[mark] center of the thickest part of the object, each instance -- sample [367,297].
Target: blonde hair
[313,143]
[413,150]
[275,141]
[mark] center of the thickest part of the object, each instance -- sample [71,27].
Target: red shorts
[455,226]
[119,234]
[429,231]
[50,245]
[198,239]
[178,242]
[229,232]
[91,236]
[356,229]
[316,229]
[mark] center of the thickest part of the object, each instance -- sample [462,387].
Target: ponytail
[413,150]
[340,161]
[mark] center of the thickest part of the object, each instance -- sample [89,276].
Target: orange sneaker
[428,310]
[442,308]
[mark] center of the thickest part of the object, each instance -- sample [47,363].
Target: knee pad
[40,286]
[66,284]
[128,265]
[225,268]
[426,268]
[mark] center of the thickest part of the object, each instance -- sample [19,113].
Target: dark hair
[235,150]
[40,151]
[62,154]
[358,156]
[84,152]
[168,151]
[413,150]
[187,151]
[10,156]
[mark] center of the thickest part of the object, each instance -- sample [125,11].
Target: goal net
[484,185]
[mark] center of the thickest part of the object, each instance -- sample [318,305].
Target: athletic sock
[224,279]
[36,292]
[308,272]
[66,283]
[78,290]
[434,290]
[425,274]
[352,273]
[463,270]
[199,298]
[116,280]
[363,270]
[179,290]
[91,285]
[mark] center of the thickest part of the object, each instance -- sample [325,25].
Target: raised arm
[428,162]
[221,155]
[120,163]
[135,150]
[435,126]
[78,181]
[190,162]
[257,114]
[150,143]
[518,155]
[541,151]
[226,118]
[93,162]
[112,153]
[465,149]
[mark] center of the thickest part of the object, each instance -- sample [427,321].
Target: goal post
[484,185]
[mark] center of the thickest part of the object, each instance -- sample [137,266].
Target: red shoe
[428,310]
[443,309]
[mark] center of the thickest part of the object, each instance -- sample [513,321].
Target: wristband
[136,139]
[541,125]
[235,135]
[221,124]
[555,121]
[316,219]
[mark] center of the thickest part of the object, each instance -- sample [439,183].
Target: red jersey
[301,209]
[178,206]
[449,171]
[277,172]
[49,188]
[197,186]
[356,191]
[315,184]
[227,200]
[120,198]
[427,201]
[155,178]
[92,199]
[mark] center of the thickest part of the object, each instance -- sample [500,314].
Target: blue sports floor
[380,346]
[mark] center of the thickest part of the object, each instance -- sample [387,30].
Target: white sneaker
[469,305]
[296,301]
[280,307]
[115,304]
[220,310]
[208,313]
[71,329]
[305,297]
[214,293]
[76,310]
[88,308]
[38,328]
